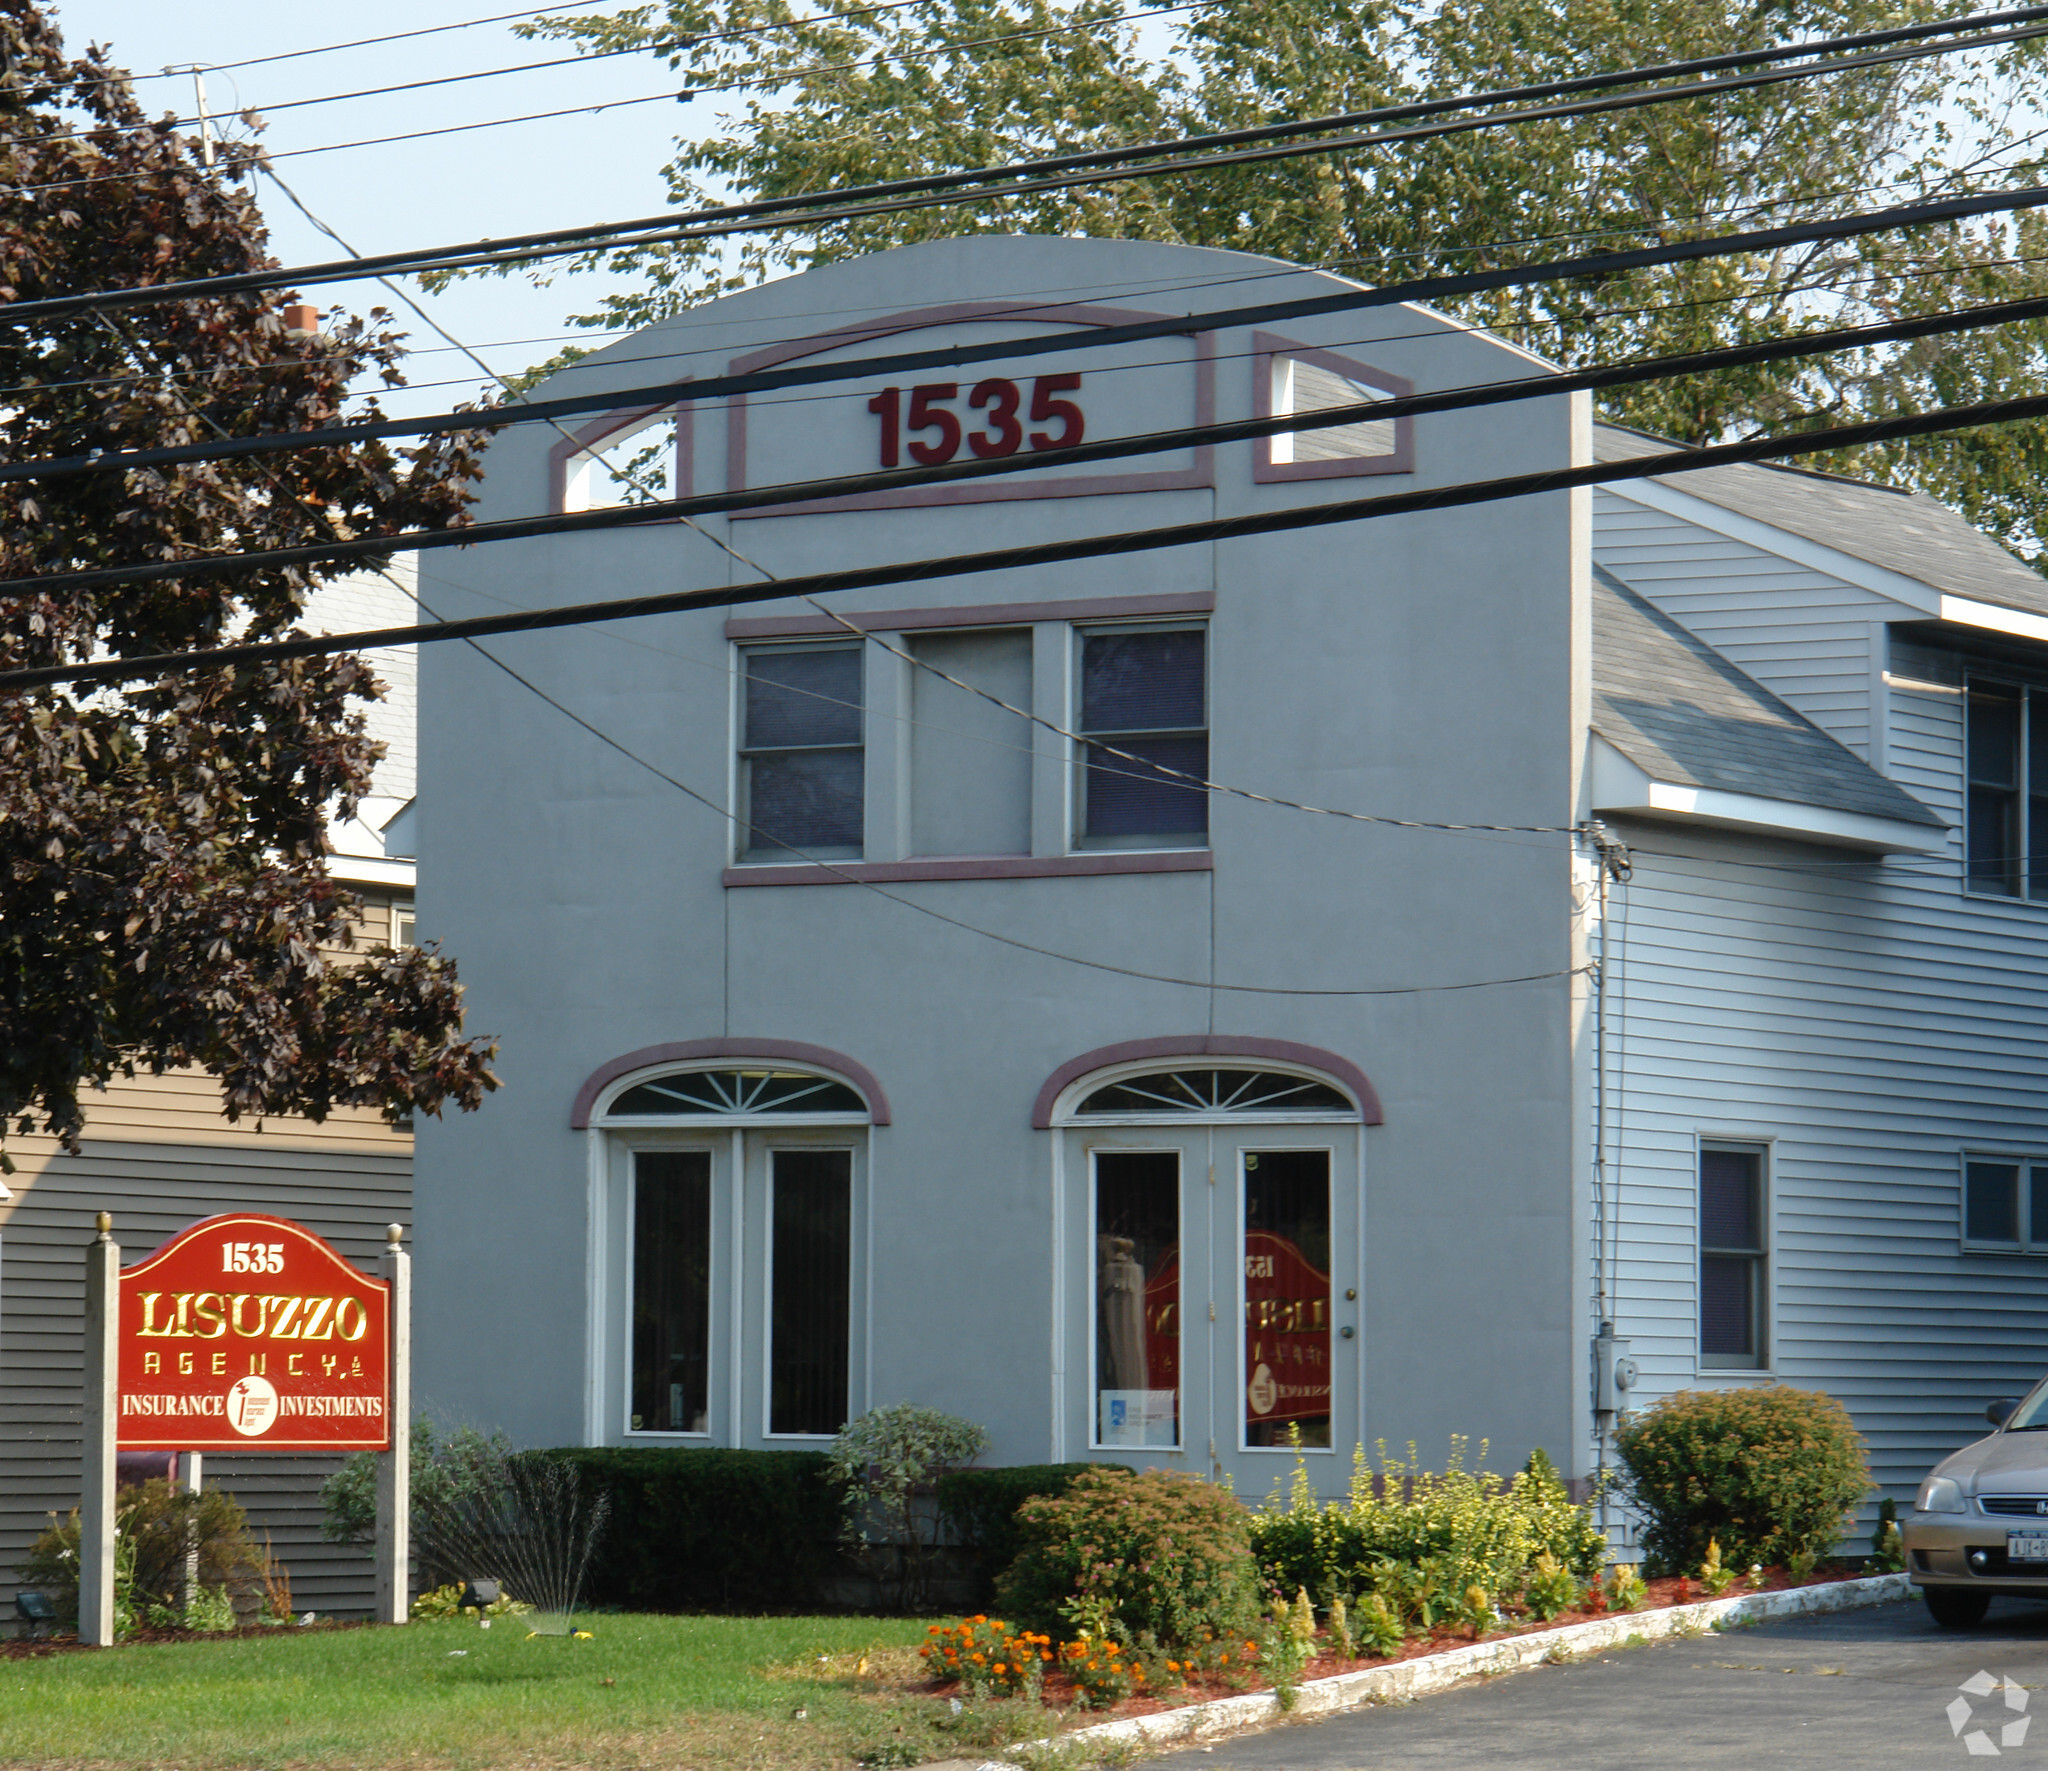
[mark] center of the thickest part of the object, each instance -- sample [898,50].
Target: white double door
[1213,1310]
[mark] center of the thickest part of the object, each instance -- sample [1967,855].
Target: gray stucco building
[888,1015]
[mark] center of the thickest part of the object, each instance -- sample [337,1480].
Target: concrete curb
[1405,1679]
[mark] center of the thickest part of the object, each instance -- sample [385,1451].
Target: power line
[653,396]
[1266,522]
[782,211]
[583,60]
[895,898]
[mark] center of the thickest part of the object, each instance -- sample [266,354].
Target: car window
[2032,1414]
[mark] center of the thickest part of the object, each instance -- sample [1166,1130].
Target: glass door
[1291,1243]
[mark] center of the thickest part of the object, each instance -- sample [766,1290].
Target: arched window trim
[594,1101]
[1079,1076]
[1066,1107]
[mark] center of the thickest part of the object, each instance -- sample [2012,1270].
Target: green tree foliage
[946,84]
[163,894]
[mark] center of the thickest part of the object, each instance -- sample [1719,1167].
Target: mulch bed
[1060,1694]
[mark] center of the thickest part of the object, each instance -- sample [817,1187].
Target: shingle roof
[1906,532]
[1683,714]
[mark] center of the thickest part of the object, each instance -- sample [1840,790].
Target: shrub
[708,1530]
[158,1527]
[1769,1474]
[1158,1559]
[1420,1539]
[978,1510]
[887,1462]
[447,1474]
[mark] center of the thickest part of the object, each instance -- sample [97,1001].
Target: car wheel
[1955,1610]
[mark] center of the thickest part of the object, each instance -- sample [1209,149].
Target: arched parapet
[1060,1091]
[695,1053]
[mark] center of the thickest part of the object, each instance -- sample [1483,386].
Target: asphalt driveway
[1863,1688]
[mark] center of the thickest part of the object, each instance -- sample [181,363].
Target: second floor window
[2007,815]
[1144,692]
[802,760]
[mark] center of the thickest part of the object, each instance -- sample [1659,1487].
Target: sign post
[102,1399]
[242,1333]
[394,1464]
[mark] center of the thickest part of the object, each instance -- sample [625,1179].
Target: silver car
[1980,1521]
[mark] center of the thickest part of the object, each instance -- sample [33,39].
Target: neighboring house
[885,1017]
[158,1155]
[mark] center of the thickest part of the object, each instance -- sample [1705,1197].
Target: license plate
[2026,1546]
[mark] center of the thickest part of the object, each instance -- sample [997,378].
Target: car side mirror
[2001,1411]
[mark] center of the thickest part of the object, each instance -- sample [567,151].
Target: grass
[779,1693]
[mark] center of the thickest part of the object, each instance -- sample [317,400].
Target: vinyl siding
[158,1157]
[1806,636]
[1874,1024]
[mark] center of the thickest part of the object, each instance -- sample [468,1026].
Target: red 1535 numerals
[995,404]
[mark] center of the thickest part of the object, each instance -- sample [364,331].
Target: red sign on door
[248,1333]
[1286,1332]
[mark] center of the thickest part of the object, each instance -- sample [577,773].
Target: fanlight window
[1216,1091]
[738,1091]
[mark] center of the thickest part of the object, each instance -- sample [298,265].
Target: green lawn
[644,1691]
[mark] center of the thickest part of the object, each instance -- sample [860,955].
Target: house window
[1137,1297]
[733,1213]
[802,758]
[2007,813]
[1732,1255]
[2005,1205]
[402,926]
[1144,694]
[810,1290]
[671,1354]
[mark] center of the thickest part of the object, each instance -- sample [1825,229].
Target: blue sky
[510,179]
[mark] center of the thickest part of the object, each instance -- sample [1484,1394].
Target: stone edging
[1427,1673]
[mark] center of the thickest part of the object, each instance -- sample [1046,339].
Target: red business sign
[249,1333]
[1286,1331]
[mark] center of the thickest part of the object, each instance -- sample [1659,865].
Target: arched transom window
[737,1093]
[1208,1092]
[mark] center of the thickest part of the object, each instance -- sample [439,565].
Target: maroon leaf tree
[164,899]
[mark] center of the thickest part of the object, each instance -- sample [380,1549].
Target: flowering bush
[988,1657]
[1421,1540]
[1157,1559]
[1103,1674]
[1769,1474]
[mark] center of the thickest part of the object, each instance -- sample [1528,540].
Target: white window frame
[1180,1206]
[764,1315]
[608,1280]
[1237,1260]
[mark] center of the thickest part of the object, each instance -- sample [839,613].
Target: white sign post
[102,1390]
[394,1467]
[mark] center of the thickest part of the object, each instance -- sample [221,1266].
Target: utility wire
[1262,522]
[776,211]
[844,874]
[651,397]
[582,60]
